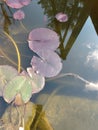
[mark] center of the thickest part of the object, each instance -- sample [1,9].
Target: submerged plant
[19,15]
[17,4]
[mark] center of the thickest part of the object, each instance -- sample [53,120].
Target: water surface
[79,53]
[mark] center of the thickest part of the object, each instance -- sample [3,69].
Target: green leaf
[6,74]
[19,85]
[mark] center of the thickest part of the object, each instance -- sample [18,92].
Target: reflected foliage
[77,11]
[6,17]
[94,15]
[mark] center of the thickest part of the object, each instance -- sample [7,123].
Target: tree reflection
[5,18]
[77,11]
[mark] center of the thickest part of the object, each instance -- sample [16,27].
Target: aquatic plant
[18,4]
[61,17]
[19,15]
[22,84]
[44,42]
[18,85]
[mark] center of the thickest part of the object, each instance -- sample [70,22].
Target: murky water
[69,104]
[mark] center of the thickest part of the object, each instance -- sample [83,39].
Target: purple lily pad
[19,15]
[61,17]
[17,3]
[48,65]
[42,39]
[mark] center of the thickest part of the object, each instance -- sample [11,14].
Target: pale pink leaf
[19,15]
[17,3]
[38,81]
[42,39]
[48,64]
[61,17]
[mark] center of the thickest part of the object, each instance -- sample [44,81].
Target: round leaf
[17,3]
[19,15]
[48,65]
[61,17]
[18,85]
[6,74]
[42,39]
[38,81]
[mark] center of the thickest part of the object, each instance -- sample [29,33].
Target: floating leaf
[48,65]
[61,17]
[42,39]
[38,81]
[23,86]
[19,15]
[17,3]
[6,74]
[19,85]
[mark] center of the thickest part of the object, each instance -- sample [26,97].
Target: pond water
[70,101]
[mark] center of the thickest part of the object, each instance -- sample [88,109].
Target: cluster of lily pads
[19,86]
[19,13]
[18,5]
[22,85]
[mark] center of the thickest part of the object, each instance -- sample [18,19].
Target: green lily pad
[6,74]
[18,85]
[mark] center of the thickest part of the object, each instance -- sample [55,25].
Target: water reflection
[77,11]
[71,103]
[94,15]
[5,17]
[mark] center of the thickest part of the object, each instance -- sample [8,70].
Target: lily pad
[61,17]
[42,39]
[17,3]
[48,65]
[38,81]
[19,85]
[6,74]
